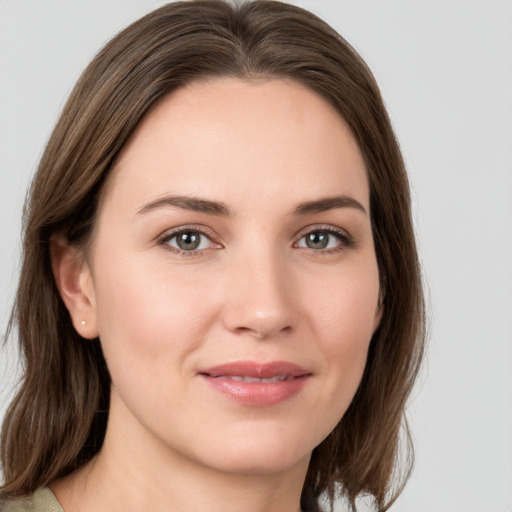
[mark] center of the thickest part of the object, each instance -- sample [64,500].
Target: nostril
[263,331]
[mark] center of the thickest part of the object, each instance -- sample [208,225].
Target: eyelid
[346,240]
[168,234]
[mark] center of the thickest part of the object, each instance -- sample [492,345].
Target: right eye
[188,240]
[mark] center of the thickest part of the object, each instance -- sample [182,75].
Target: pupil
[188,241]
[318,240]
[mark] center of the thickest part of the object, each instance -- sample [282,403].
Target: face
[232,277]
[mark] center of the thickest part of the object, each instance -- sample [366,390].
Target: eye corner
[324,239]
[195,241]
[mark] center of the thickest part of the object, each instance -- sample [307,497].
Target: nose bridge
[259,298]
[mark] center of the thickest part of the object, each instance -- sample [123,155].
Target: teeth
[240,378]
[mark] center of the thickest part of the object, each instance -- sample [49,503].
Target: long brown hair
[57,421]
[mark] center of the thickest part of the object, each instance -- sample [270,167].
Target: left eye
[189,241]
[320,240]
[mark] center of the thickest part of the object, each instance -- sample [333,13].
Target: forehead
[263,135]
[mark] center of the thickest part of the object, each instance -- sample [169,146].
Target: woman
[220,303]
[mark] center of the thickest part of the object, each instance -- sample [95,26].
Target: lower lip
[258,394]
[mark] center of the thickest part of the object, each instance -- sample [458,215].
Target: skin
[254,290]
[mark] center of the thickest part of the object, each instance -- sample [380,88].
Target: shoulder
[43,500]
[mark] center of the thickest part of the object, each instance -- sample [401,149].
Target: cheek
[345,318]
[145,316]
[345,308]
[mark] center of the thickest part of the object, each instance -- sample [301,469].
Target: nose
[259,297]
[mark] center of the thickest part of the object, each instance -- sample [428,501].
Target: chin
[257,456]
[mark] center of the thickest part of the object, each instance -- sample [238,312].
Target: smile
[240,378]
[257,384]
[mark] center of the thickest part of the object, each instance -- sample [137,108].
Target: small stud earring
[82,322]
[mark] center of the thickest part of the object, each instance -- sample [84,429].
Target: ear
[74,282]
[379,311]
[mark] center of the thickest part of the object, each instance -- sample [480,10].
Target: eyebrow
[197,204]
[328,203]
[194,204]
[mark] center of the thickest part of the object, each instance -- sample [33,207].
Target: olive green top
[43,500]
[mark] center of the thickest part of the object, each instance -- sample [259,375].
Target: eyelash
[168,236]
[344,239]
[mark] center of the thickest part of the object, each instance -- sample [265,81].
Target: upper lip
[256,369]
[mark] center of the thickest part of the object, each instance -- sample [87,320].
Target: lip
[241,381]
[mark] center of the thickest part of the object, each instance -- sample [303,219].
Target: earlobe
[74,282]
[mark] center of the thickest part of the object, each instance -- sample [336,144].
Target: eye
[324,240]
[188,240]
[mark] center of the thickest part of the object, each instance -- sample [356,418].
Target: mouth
[240,378]
[257,384]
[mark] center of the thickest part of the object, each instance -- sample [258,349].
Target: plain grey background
[445,69]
